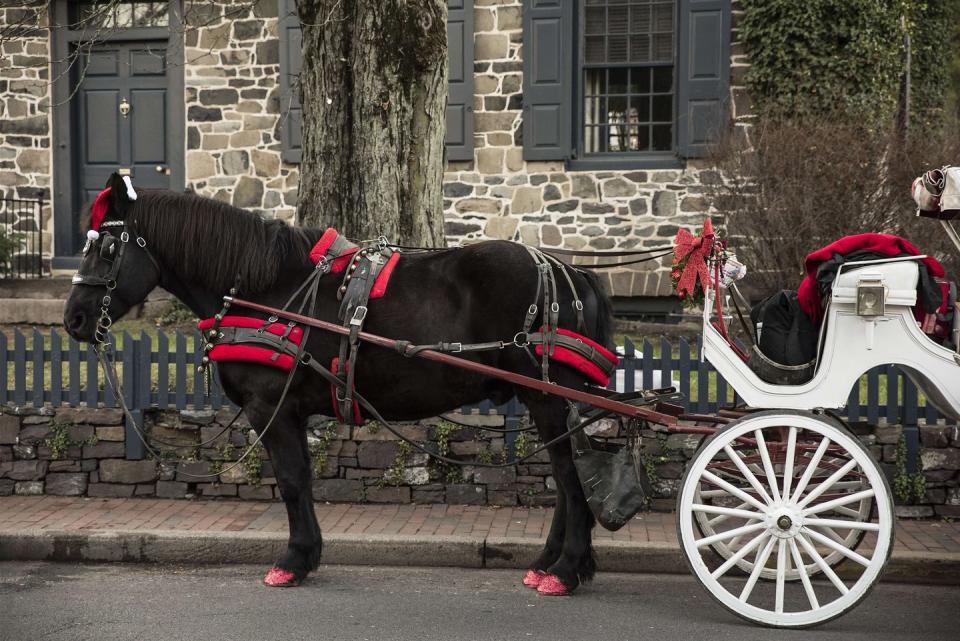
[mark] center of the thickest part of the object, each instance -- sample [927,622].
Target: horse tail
[604,320]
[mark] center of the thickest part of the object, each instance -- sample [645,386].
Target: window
[126,14]
[624,83]
[627,76]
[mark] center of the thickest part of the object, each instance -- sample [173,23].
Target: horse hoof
[279,578]
[551,585]
[532,578]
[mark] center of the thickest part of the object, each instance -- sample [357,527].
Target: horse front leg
[575,563]
[286,442]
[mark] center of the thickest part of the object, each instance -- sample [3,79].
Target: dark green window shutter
[547,79]
[291,57]
[459,137]
[703,61]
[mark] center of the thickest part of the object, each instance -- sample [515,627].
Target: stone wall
[25,117]
[80,452]
[232,85]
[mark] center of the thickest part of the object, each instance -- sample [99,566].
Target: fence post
[131,392]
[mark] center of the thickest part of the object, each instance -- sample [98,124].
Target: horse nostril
[76,322]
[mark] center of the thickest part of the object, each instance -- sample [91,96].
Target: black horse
[198,249]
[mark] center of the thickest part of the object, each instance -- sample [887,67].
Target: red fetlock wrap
[532,578]
[280,578]
[551,585]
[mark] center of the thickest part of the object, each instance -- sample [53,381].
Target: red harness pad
[581,363]
[342,257]
[252,353]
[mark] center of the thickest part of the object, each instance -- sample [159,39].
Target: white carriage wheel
[784,526]
[707,524]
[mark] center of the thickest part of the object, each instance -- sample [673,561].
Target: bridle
[112,250]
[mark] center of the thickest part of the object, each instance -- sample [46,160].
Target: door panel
[125,75]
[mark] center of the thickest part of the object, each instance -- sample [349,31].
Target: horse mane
[211,242]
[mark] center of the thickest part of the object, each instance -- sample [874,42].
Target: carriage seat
[899,276]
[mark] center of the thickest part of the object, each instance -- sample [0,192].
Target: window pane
[594,49]
[641,105]
[640,19]
[617,48]
[640,80]
[663,17]
[643,139]
[662,137]
[618,80]
[617,106]
[596,21]
[617,19]
[662,108]
[662,47]
[663,79]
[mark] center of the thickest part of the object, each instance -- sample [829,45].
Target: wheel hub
[784,521]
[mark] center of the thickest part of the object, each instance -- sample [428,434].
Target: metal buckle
[382,242]
[456,347]
[554,308]
[578,305]
[359,315]
[521,339]
[141,242]
[124,236]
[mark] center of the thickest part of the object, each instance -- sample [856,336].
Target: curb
[177,547]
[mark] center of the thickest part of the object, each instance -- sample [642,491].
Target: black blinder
[108,248]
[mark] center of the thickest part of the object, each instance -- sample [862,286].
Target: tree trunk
[374,93]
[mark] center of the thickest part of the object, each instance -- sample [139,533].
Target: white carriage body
[850,345]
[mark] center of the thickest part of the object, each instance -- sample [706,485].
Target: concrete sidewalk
[176,531]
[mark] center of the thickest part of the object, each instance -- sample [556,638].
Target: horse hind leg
[286,442]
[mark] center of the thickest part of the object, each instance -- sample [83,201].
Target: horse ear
[122,194]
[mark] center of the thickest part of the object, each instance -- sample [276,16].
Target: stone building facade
[233,113]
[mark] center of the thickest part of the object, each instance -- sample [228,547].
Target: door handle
[124,107]
[163,170]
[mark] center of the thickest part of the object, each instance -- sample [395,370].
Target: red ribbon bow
[697,248]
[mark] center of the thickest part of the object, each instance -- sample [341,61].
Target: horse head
[117,270]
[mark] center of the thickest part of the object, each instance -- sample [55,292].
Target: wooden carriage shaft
[493,372]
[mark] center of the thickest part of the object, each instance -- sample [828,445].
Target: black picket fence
[160,371]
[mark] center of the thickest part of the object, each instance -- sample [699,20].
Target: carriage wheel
[709,524]
[793,486]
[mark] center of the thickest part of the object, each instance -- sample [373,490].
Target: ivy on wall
[821,58]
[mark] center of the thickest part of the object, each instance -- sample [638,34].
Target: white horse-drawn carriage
[783,515]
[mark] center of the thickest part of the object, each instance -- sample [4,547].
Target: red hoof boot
[551,585]
[279,578]
[533,577]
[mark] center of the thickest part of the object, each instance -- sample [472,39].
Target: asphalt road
[52,601]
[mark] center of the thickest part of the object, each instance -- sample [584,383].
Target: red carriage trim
[342,260]
[357,418]
[581,363]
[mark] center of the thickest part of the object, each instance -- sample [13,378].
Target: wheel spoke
[747,474]
[737,492]
[758,564]
[767,465]
[788,464]
[826,485]
[782,568]
[848,525]
[726,511]
[826,569]
[729,534]
[811,468]
[742,552]
[848,512]
[831,533]
[720,519]
[843,500]
[830,543]
[804,577]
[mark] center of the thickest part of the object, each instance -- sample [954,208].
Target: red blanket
[886,244]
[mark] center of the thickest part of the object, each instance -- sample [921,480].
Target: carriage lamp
[871,297]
